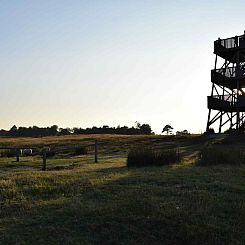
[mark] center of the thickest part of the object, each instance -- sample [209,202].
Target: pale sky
[110,62]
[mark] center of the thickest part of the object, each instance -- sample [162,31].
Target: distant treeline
[144,129]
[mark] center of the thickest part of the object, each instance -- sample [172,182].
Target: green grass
[108,203]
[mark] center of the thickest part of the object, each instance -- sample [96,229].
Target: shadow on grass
[120,205]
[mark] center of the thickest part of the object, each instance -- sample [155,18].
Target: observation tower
[227,101]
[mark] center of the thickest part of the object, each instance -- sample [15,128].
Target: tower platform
[227,48]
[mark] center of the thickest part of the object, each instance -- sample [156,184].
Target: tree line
[34,131]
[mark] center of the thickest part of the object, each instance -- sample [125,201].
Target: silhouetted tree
[54,130]
[64,131]
[167,128]
[145,129]
[137,125]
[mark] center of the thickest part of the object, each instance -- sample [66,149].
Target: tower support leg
[208,122]
[220,122]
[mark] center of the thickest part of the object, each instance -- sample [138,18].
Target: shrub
[148,157]
[215,154]
[210,131]
[81,151]
[8,153]
[50,153]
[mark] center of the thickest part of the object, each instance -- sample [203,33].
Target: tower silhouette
[227,101]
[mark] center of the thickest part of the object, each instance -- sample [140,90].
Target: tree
[137,125]
[64,131]
[54,130]
[167,128]
[145,129]
[13,131]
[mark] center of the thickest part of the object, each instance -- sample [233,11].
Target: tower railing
[233,42]
[220,102]
[229,72]
[226,101]
[226,97]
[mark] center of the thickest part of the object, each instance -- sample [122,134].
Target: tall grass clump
[8,153]
[50,153]
[82,150]
[220,154]
[140,157]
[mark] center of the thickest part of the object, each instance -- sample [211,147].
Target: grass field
[79,202]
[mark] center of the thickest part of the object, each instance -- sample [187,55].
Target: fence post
[44,159]
[96,151]
[17,155]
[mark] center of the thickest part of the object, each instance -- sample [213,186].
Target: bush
[148,157]
[215,154]
[8,153]
[81,151]
[50,153]
[210,131]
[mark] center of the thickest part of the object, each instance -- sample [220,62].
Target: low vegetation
[81,151]
[143,156]
[221,154]
[8,153]
[79,202]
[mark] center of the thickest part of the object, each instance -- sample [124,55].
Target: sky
[108,62]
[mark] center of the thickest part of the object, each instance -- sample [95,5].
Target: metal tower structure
[227,101]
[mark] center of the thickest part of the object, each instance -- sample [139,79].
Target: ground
[79,202]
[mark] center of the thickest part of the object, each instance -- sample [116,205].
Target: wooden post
[96,151]
[17,155]
[44,159]
[178,154]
